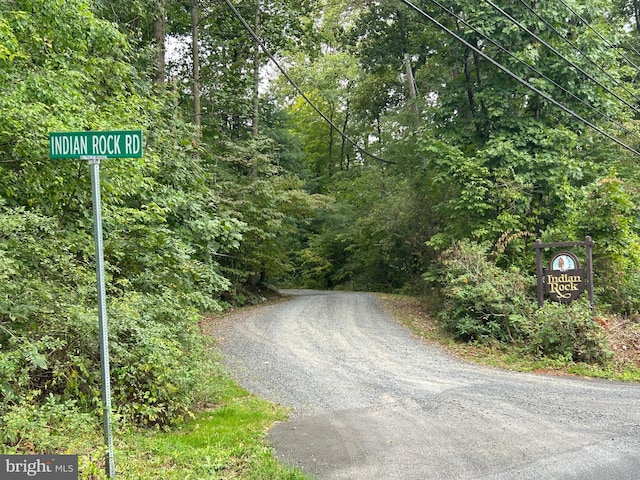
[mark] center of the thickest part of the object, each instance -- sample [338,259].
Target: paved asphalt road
[373,402]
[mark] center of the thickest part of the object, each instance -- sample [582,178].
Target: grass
[624,366]
[224,443]
[225,440]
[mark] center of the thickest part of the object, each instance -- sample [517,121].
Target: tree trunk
[330,160]
[469,82]
[256,86]
[483,126]
[412,89]
[159,41]
[344,133]
[196,65]
[636,15]
[256,74]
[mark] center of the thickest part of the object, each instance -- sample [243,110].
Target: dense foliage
[186,229]
[437,173]
[480,165]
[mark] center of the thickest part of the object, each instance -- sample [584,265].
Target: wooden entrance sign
[564,280]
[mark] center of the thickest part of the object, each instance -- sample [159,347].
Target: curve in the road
[371,401]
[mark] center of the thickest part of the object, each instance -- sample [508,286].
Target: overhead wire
[264,48]
[533,69]
[559,54]
[519,79]
[579,50]
[601,37]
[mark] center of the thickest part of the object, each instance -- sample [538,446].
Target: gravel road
[371,401]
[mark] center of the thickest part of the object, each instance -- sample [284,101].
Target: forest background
[415,148]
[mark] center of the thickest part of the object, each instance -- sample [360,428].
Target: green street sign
[118,144]
[93,147]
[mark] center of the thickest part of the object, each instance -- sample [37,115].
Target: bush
[157,358]
[49,331]
[483,301]
[45,427]
[157,361]
[569,332]
[608,212]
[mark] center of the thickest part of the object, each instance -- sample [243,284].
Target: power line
[578,49]
[259,41]
[517,78]
[533,69]
[599,35]
[559,54]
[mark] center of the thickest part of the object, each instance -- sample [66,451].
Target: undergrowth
[621,363]
[222,441]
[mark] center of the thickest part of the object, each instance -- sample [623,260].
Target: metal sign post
[94,165]
[93,147]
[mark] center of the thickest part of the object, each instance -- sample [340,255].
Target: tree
[64,69]
[329,84]
[491,160]
[195,62]
[229,56]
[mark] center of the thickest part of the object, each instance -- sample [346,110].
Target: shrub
[49,330]
[157,358]
[569,332]
[483,301]
[45,425]
[608,212]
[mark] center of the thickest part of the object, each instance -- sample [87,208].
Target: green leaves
[9,45]
[198,223]
[182,225]
[482,301]
[161,224]
[568,332]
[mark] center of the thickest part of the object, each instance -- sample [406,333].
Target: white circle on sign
[563,262]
